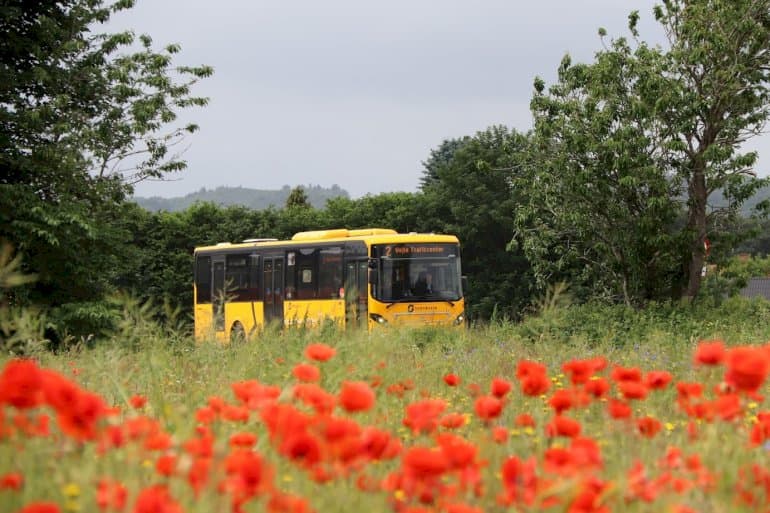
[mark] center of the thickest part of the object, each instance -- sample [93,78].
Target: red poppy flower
[11,481]
[316,397]
[524,420]
[728,407]
[686,390]
[586,452]
[597,387]
[580,371]
[165,465]
[137,401]
[710,352]
[626,374]
[558,460]
[632,389]
[111,495]
[648,426]
[378,444]
[158,441]
[760,431]
[235,413]
[499,434]
[282,419]
[747,368]
[657,380]
[452,420]
[41,507]
[589,497]
[500,387]
[618,409]
[21,384]
[563,426]
[247,474]
[425,462]
[452,380]
[156,499]
[423,415]
[488,407]
[243,440]
[459,452]
[461,508]
[205,415]
[306,372]
[255,395]
[533,378]
[520,480]
[356,396]
[79,420]
[561,400]
[319,352]
[285,503]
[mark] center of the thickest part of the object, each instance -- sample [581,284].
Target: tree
[297,198]
[83,117]
[717,97]
[599,212]
[439,157]
[397,210]
[470,193]
[621,141]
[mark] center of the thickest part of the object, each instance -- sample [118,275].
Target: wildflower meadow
[469,421]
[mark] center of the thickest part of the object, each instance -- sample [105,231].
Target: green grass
[178,376]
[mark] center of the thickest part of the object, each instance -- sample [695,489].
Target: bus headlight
[460,319]
[379,319]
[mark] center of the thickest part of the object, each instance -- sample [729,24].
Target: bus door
[356,292]
[218,292]
[272,283]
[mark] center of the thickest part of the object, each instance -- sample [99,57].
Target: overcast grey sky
[357,93]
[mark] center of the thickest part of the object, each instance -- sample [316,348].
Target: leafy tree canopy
[83,116]
[619,142]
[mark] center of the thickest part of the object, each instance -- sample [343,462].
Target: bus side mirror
[372,275]
[464,283]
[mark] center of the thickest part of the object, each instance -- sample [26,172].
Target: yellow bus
[365,277]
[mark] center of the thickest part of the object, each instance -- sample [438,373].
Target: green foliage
[297,198]
[398,210]
[594,324]
[21,329]
[468,191]
[83,117]
[616,140]
[758,240]
[83,322]
[734,275]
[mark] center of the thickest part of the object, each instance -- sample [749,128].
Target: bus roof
[367,235]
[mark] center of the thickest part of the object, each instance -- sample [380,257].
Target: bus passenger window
[203,279]
[330,273]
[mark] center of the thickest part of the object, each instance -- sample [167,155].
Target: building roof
[757,287]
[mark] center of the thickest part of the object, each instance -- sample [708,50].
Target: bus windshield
[412,273]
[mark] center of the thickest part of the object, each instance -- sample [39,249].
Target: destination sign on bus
[417,250]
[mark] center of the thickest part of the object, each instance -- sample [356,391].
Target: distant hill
[257,199]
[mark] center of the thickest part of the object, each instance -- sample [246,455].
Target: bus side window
[330,273]
[306,276]
[252,293]
[203,279]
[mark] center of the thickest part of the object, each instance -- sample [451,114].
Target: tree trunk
[697,223]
